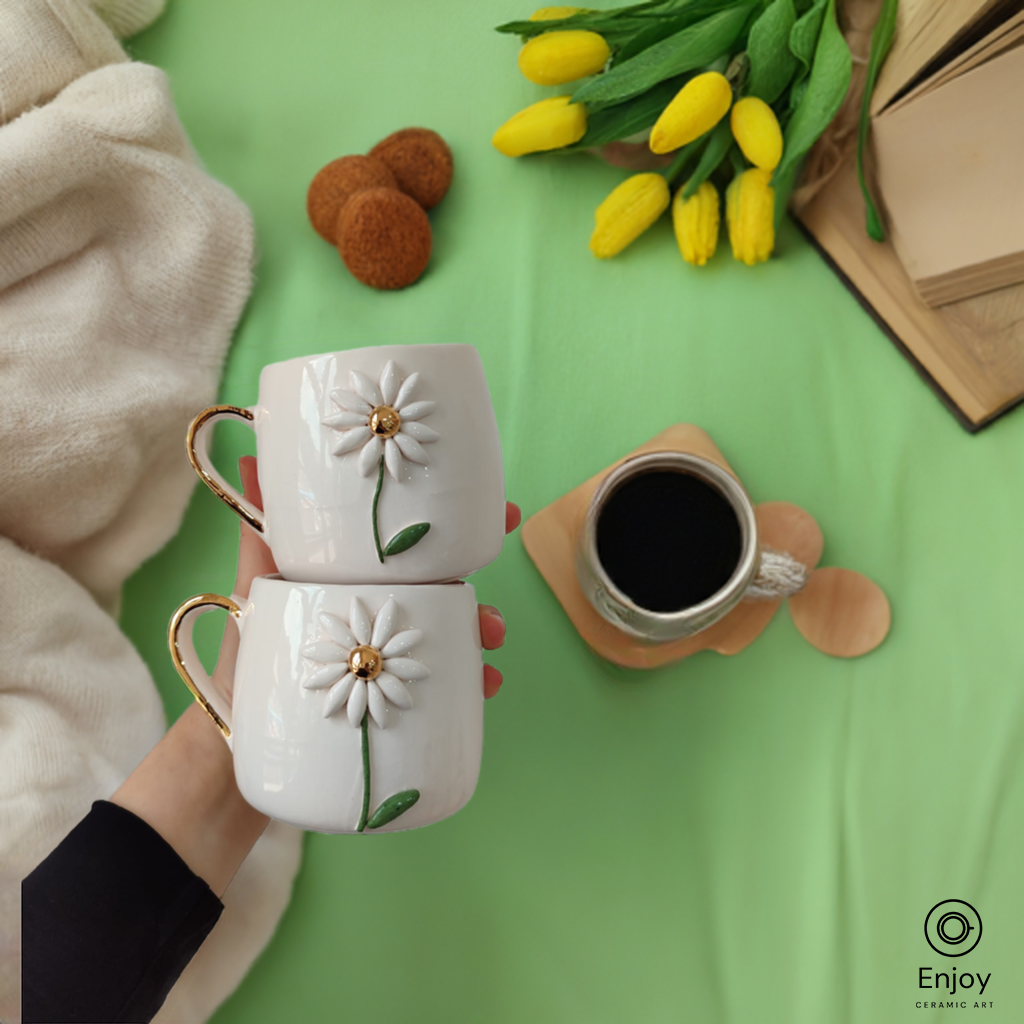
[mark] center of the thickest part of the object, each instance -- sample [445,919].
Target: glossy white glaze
[297,765]
[318,464]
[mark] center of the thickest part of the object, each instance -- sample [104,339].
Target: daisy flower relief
[383,422]
[363,664]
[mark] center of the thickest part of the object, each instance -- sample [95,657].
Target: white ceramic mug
[377,465]
[355,708]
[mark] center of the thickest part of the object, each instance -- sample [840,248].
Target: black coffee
[668,540]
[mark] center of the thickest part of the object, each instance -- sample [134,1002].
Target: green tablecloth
[756,838]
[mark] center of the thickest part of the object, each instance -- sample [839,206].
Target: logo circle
[952,928]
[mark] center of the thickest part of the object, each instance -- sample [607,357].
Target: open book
[949,142]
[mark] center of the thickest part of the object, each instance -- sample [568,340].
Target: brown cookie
[336,183]
[384,238]
[421,162]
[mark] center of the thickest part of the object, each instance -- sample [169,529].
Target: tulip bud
[695,221]
[549,124]
[627,213]
[756,129]
[750,211]
[554,13]
[696,109]
[554,58]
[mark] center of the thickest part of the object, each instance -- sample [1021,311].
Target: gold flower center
[365,662]
[385,421]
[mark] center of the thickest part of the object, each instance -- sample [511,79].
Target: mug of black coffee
[668,547]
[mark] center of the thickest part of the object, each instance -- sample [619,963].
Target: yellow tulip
[696,109]
[696,224]
[554,13]
[550,124]
[627,213]
[750,211]
[756,129]
[558,57]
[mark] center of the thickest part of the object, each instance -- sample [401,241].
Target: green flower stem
[881,41]
[366,766]
[683,157]
[376,532]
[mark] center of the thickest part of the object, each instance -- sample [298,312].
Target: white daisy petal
[359,621]
[393,459]
[417,410]
[389,382]
[362,384]
[338,695]
[394,690]
[369,457]
[401,643]
[345,419]
[378,706]
[420,431]
[338,631]
[351,439]
[324,651]
[350,401]
[405,391]
[325,677]
[384,623]
[411,449]
[406,668]
[357,702]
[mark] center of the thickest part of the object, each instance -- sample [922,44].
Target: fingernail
[491,610]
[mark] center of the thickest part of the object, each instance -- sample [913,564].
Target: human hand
[255,559]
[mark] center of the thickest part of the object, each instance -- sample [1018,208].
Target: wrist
[186,790]
[200,737]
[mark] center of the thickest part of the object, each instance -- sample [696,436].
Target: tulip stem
[683,157]
[881,41]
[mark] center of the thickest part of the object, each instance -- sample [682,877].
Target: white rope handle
[779,576]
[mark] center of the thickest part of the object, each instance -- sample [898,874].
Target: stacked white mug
[358,689]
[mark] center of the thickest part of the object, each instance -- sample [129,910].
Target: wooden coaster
[841,612]
[550,539]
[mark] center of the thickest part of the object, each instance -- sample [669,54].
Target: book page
[949,176]
[1009,34]
[972,352]
[924,28]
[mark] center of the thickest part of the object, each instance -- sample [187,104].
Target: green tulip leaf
[405,539]
[772,63]
[665,23]
[796,94]
[652,33]
[803,39]
[393,807]
[610,124]
[826,88]
[616,25]
[684,51]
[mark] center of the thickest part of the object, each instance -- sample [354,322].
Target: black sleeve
[109,921]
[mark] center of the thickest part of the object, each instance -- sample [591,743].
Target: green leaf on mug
[405,539]
[393,807]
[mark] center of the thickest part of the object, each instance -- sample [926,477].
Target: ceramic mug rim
[276,577]
[727,485]
[280,364]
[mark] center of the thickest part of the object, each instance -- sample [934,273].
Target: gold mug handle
[197,445]
[186,661]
